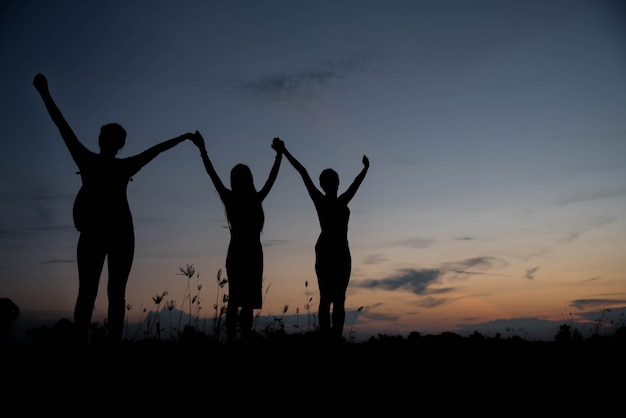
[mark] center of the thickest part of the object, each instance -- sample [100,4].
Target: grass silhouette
[192,332]
[387,371]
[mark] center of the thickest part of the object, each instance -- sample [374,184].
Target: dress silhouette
[333,261]
[102,215]
[244,260]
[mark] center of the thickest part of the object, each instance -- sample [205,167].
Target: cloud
[418,282]
[417,242]
[15,234]
[369,314]
[23,213]
[530,273]
[595,222]
[472,266]
[615,316]
[430,302]
[571,236]
[273,242]
[584,196]
[595,303]
[300,88]
[375,259]
[57,261]
[421,281]
[413,243]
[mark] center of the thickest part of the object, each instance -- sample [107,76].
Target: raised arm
[71,140]
[273,172]
[314,192]
[198,141]
[349,194]
[148,155]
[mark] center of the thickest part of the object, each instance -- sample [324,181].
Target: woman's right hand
[40,82]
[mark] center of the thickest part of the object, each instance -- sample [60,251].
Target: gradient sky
[496,133]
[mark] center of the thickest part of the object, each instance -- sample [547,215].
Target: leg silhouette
[90,255]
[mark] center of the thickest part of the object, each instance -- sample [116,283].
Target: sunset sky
[495,130]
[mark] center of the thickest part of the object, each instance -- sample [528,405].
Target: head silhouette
[241,180]
[246,210]
[112,138]
[329,181]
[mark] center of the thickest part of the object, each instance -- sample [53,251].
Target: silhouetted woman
[244,260]
[333,261]
[102,215]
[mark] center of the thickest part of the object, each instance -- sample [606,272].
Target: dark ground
[427,375]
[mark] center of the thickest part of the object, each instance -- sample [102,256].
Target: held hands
[198,141]
[40,82]
[278,145]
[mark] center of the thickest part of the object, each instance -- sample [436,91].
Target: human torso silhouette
[244,259]
[334,215]
[102,202]
[333,261]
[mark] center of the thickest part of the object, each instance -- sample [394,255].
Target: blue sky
[496,133]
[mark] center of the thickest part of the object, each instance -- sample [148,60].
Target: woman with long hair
[243,205]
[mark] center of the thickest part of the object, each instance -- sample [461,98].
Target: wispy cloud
[606,315]
[530,273]
[422,281]
[369,314]
[273,242]
[419,282]
[15,234]
[375,259]
[584,196]
[417,242]
[57,261]
[27,211]
[412,243]
[595,222]
[302,88]
[595,303]
[473,266]
[431,302]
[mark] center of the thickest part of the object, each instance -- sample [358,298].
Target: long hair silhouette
[243,205]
